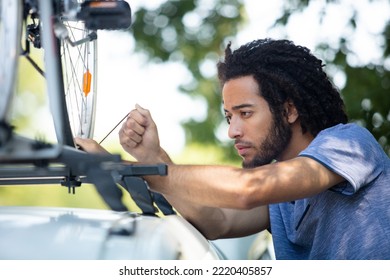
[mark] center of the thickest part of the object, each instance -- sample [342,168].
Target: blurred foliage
[50,195]
[199,153]
[30,92]
[85,196]
[194,34]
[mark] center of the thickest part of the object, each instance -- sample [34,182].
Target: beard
[279,136]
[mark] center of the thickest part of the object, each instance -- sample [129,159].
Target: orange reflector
[87,82]
[101,4]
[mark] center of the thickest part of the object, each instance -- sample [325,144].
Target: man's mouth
[242,149]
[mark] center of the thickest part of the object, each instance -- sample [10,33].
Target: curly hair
[286,72]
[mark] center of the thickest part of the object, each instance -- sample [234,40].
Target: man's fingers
[89,145]
[145,113]
[134,123]
[135,126]
[129,137]
[142,110]
[131,130]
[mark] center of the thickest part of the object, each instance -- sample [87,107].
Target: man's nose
[235,129]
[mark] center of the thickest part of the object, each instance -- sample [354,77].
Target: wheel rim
[79,65]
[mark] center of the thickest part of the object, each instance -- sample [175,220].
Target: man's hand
[139,137]
[90,146]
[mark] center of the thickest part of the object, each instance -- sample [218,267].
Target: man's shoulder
[344,128]
[350,134]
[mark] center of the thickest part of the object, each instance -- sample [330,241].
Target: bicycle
[72,37]
[67,31]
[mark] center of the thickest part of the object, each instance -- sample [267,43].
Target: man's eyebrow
[238,107]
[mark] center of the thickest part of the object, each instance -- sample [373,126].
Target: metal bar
[30,175]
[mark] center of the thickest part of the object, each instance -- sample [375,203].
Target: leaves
[192,33]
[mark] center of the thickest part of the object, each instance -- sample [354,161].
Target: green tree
[192,33]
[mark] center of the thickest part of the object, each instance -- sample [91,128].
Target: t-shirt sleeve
[350,151]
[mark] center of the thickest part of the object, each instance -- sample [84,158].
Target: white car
[68,233]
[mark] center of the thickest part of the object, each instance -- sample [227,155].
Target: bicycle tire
[79,70]
[10,35]
[54,33]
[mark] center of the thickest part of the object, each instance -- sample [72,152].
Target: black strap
[162,204]
[107,188]
[146,199]
[138,188]
[139,192]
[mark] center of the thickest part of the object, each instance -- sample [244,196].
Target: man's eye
[228,118]
[246,114]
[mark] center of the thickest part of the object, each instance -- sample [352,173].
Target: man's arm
[216,223]
[230,187]
[139,137]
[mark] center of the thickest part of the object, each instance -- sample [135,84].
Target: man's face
[258,139]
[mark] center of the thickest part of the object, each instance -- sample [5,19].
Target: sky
[126,78]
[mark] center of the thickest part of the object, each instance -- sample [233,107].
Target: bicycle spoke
[78,61]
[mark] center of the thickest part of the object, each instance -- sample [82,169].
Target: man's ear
[290,112]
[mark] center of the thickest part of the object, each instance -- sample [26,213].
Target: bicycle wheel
[10,30]
[79,67]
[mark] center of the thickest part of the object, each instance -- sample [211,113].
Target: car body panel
[73,233]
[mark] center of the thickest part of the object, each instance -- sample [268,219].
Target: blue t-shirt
[348,221]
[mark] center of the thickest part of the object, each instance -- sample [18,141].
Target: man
[320,185]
